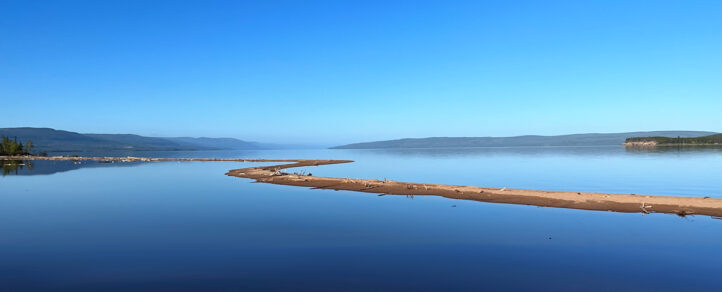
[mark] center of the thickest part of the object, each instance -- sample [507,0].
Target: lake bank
[627,203]
[710,140]
[652,144]
[136,159]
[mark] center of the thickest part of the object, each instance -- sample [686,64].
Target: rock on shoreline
[640,144]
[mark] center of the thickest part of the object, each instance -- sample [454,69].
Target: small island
[715,139]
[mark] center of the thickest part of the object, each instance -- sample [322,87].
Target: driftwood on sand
[628,203]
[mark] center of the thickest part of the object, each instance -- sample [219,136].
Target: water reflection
[707,149]
[15,166]
[186,226]
[47,167]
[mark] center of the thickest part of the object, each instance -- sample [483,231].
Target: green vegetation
[13,147]
[667,141]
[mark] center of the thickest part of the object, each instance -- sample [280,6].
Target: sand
[627,203]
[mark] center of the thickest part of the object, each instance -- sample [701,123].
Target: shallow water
[186,226]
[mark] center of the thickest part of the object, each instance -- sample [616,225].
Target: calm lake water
[172,226]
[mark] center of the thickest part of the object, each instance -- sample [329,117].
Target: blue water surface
[185,226]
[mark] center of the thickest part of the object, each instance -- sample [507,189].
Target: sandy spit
[627,203]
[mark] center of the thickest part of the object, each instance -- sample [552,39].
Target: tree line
[704,140]
[13,147]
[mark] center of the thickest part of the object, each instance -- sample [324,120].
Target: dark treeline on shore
[662,141]
[13,147]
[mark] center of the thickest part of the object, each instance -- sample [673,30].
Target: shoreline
[653,144]
[137,159]
[625,203]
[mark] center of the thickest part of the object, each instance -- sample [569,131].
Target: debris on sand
[628,203]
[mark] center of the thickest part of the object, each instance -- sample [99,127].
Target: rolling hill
[593,139]
[52,140]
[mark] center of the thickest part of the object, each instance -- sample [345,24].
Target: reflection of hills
[47,167]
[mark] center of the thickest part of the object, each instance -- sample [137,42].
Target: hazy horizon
[333,144]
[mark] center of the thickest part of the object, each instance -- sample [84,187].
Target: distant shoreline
[627,203]
[645,144]
[657,141]
[587,139]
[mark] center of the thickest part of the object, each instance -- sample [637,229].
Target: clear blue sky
[348,71]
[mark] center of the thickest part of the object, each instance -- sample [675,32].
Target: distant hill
[529,140]
[221,143]
[674,141]
[142,143]
[51,140]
